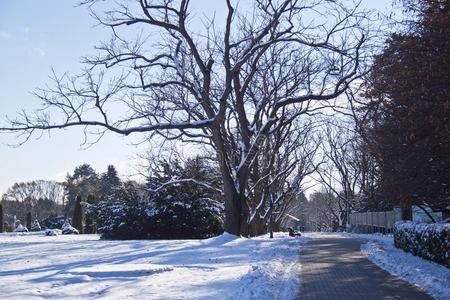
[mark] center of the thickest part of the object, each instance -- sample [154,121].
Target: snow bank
[429,276]
[35,266]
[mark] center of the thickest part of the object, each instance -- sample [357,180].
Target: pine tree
[29,221]
[83,182]
[77,220]
[1,218]
[110,184]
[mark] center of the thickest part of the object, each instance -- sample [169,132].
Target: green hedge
[429,241]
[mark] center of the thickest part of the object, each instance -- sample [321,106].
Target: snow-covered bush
[54,222]
[179,217]
[20,228]
[124,221]
[53,232]
[35,226]
[147,220]
[429,241]
[68,229]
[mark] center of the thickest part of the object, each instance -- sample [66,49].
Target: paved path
[334,268]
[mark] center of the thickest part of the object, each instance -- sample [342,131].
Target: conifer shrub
[35,226]
[29,221]
[77,220]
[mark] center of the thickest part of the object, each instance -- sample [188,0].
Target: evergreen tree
[83,182]
[29,220]
[110,184]
[1,218]
[77,219]
[90,215]
[185,210]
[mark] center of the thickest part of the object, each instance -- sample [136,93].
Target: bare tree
[346,172]
[230,86]
[288,157]
[35,190]
[41,197]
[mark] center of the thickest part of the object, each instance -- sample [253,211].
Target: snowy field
[34,266]
[431,277]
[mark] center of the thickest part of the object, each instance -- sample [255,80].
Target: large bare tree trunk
[233,209]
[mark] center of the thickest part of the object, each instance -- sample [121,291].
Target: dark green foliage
[110,184]
[83,182]
[53,222]
[429,241]
[77,220]
[29,221]
[185,210]
[1,218]
[90,225]
[175,220]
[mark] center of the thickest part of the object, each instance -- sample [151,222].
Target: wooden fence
[376,220]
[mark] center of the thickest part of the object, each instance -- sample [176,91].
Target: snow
[429,276]
[35,266]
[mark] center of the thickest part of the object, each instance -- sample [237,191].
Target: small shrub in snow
[20,228]
[68,229]
[54,222]
[429,241]
[52,232]
[36,226]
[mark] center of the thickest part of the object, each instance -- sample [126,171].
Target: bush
[53,232]
[36,226]
[429,241]
[143,220]
[68,229]
[20,227]
[54,222]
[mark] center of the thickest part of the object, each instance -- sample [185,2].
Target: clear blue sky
[35,35]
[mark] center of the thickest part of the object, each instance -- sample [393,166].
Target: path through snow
[429,276]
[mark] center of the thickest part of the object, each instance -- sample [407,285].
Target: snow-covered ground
[431,277]
[34,266]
